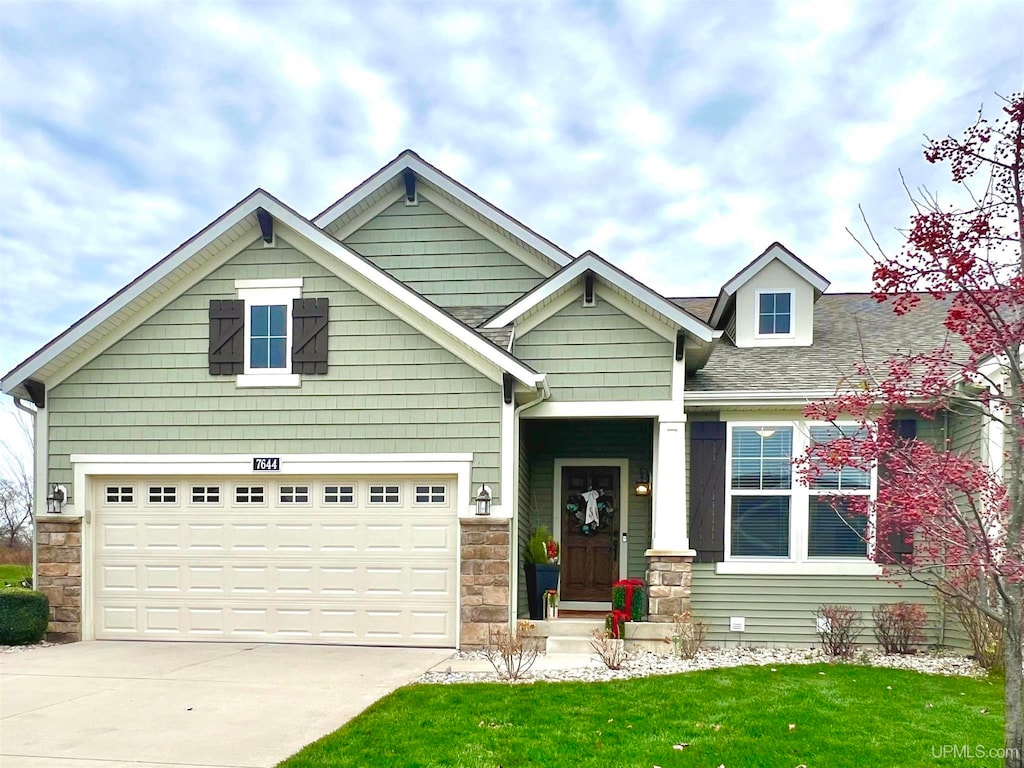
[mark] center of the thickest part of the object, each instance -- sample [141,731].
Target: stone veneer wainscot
[668,583]
[484,579]
[59,574]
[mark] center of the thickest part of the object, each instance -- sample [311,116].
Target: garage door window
[385,494]
[430,494]
[250,494]
[339,494]
[163,494]
[120,494]
[206,494]
[293,494]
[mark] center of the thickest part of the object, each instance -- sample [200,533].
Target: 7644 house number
[266,464]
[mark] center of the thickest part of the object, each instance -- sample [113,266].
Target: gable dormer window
[774,314]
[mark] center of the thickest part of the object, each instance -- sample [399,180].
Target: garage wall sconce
[483,501]
[57,498]
[643,485]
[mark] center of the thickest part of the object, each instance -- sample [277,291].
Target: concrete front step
[573,635]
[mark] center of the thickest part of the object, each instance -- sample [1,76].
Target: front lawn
[13,574]
[842,715]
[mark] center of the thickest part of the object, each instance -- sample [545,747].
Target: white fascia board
[202,458]
[582,409]
[410,161]
[131,292]
[775,251]
[442,320]
[614,277]
[260,199]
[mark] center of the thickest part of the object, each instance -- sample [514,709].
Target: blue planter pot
[539,579]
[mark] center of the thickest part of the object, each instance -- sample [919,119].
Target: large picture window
[774,516]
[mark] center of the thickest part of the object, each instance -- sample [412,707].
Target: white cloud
[676,140]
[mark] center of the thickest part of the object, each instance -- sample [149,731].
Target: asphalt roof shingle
[848,327]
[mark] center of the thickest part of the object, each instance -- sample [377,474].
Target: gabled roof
[849,328]
[591,262]
[409,160]
[162,277]
[775,251]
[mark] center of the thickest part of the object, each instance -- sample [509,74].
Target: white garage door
[368,561]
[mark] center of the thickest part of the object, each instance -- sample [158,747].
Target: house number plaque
[266,464]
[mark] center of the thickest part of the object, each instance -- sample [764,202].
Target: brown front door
[590,533]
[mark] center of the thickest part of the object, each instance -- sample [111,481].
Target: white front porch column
[669,535]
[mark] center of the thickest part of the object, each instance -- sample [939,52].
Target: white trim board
[592,262]
[556,496]
[771,253]
[377,285]
[409,160]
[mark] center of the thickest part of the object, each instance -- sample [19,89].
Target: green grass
[845,716]
[13,574]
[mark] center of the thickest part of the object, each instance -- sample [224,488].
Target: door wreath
[593,511]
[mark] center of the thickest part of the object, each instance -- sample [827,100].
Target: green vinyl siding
[549,439]
[598,353]
[779,610]
[388,389]
[441,258]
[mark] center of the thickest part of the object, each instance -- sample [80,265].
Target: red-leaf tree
[962,511]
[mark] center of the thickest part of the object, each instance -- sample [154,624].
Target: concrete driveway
[103,704]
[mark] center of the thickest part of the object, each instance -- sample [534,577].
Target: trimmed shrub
[838,626]
[24,615]
[899,626]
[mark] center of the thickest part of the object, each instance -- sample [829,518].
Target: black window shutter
[898,544]
[227,336]
[707,490]
[309,336]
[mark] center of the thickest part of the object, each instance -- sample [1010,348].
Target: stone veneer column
[59,574]
[484,579]
[668,584]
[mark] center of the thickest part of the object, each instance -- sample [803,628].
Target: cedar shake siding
[388,388]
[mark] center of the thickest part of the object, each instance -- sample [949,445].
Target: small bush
[23,616]
[512,654]
[611,650]
[838,626]
[899,626]
[688,635]
[984,632]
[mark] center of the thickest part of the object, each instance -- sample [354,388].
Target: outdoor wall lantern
[55,501]
[483,501]
[643,485]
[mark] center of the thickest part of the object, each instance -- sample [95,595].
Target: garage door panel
[331,573]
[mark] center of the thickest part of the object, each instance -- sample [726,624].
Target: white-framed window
[250,494]
[774,314]
[772,516]
[385,494]
[205,494]
[761,481]
[162,494]
[293,494]
[339,493]
[268,331]
[832,532]
[119,494]
[431,494]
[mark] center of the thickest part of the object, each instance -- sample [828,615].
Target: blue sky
[677,139]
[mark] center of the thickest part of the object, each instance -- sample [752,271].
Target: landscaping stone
[645,664]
